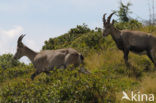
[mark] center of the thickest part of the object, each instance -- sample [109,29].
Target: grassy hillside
[109,75]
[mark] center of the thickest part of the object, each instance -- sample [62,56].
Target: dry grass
[149,29]
[148,84]
[103,58]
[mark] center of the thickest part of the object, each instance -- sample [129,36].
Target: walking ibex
[127,40]
[46,60]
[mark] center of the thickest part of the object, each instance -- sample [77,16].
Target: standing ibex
[46,60]
[127,40]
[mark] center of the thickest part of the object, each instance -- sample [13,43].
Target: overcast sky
[42,19]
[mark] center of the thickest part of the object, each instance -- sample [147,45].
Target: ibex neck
[116,35]
[30,54]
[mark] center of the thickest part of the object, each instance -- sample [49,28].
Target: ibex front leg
[126,52]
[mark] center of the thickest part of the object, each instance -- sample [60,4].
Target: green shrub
[131,25]
[14,72]
[66,39]
[7,61]
[62,86]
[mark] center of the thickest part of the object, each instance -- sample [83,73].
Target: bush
[62,86]
[14,72]
[66,39]
[131,25]
[7,61]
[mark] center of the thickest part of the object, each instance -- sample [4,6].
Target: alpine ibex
[46,60]
[127,40]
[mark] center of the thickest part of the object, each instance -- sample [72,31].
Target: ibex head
[20,48]
[107,24]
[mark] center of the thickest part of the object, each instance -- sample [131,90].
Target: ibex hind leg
[153,56]
[47,70]
[149,54]
[35,74]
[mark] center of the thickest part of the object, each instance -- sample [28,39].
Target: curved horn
[104,20]
[108,20]
[20,38]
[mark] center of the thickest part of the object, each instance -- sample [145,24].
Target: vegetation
[109,75]
[7,61]
[123,12]
[66,39]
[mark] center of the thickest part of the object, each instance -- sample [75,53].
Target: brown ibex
[47,60]
[127,40]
